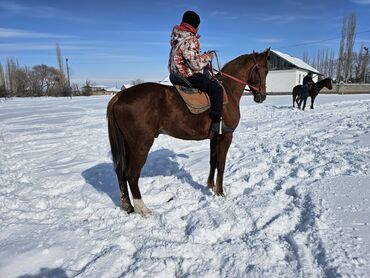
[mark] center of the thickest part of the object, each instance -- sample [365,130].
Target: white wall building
[285,72]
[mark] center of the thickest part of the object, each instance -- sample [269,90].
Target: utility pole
[69,84]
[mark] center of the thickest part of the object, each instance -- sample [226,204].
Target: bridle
[257,88]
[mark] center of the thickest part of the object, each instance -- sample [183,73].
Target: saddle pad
[197,101]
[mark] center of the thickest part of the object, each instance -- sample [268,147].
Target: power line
[315,42]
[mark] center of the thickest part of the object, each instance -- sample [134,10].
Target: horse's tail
[116,139]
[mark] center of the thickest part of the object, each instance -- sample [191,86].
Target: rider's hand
[210,54]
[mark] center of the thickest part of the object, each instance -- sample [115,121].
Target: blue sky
[118,41]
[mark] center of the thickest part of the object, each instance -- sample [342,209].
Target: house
[113,90]
[97,88]
[285,72]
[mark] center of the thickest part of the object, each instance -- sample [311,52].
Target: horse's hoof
[128,209]
[144,211]
[126,205]
[210,185]
[140,207]
[219,193]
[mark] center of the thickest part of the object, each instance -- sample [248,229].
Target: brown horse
[136,116]
[299,96]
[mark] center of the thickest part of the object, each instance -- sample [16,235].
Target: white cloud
[224,15]
[268,40]
[16,9]
[361,2]
[283,19]
[19,33]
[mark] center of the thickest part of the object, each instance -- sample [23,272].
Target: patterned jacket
[185,57]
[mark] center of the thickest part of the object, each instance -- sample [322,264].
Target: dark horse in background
[137,115]
[299,95]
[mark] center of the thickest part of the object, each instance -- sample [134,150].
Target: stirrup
[221,128]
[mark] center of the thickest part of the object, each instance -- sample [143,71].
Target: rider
[187,60]
[308,79]
[307,84]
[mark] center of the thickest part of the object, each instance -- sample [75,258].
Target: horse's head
[251,70]
[328,83]
[257,75]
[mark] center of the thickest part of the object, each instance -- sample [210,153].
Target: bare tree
[75,90]
[87,89]
[364,64]
[351,35]
[341,50]
[306,57]
[21,77]
[331,65]
[59,58]
[62,82]
[11,68]
[3,91]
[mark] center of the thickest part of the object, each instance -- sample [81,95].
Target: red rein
[239,80]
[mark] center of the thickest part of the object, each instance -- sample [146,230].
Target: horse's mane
[323,80]
[237,62]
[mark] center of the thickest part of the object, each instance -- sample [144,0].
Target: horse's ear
[267,52]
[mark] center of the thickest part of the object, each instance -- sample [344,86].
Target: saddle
[196,101]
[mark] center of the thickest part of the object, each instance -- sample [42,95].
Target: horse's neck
[319,85]
[237,69]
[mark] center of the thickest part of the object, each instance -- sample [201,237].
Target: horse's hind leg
[125,199]
[137,155]
[223,144]
[212,162]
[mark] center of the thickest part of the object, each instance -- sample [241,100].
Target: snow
[297,188]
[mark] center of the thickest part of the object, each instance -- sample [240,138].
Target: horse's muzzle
[259,97]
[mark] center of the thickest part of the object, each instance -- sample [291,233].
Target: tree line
[349,66]
[36,81]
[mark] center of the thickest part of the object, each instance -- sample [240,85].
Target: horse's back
[296,88]
[143,89]
[147,98]
[142,94]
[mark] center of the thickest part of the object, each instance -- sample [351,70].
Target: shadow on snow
[47,273]
[159,163]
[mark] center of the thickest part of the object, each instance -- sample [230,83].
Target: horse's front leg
[212,162]
[304,103]
[223,144]
[312,100]
[299,102]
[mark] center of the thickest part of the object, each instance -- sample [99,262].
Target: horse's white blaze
[140,207]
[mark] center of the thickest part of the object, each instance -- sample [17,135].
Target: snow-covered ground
[297,199]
